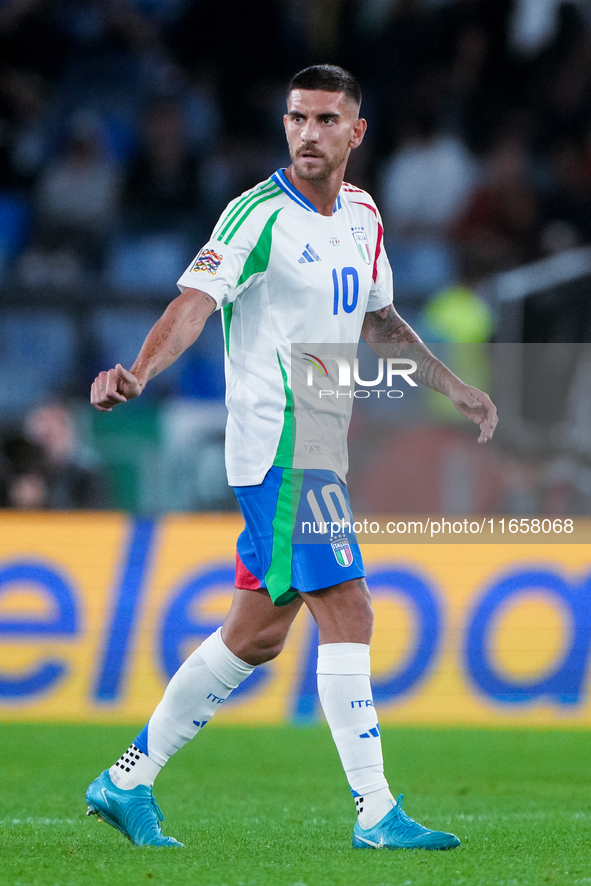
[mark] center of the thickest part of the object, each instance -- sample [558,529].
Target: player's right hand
[116,386]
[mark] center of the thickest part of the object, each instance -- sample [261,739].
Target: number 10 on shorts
[334,519]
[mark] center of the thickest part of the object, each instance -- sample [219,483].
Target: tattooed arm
[390,336]
[175,331]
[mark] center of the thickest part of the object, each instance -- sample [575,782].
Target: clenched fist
[116,386]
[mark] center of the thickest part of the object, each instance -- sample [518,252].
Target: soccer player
[299,258]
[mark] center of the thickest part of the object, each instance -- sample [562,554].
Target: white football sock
[345,694]
[202,683]
[133,768]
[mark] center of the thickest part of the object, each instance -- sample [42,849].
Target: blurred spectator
[424,188]
[48,468]
[457,314]
[478,77]
[79,188]
[500,226]
[24,129]
[567,208]
[77,197]
[22,476]
[32,36]
[534,24]
[202,112]
[161,184]
[400,45]
[234,167]
[243,43]
[15,225]
[426,182]
[561,83]
[467,105]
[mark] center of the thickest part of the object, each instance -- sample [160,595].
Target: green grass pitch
[270,807]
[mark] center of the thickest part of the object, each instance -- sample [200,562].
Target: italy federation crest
[362,245]
[342,551]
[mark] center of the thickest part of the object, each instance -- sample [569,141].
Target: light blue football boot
[135,813]
[397,831]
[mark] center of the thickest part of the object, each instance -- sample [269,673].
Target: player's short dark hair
[330,78]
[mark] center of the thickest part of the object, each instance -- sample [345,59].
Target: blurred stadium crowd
[123,118]
[127,125]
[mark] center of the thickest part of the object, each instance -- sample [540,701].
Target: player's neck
[321,194]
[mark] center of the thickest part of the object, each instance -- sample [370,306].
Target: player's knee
[260,649]
[268,647]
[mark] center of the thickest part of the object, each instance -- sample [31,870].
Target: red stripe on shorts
[244,578]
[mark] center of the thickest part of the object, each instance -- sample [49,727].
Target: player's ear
[359,129]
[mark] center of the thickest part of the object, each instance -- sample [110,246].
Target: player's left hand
[477,406]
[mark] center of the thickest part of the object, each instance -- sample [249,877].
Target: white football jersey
[284,274]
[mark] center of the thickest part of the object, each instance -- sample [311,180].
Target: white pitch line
[38,821]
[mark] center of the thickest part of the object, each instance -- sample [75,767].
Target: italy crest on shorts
[342,551]
[362,242]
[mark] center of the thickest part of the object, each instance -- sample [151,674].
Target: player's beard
[321,173]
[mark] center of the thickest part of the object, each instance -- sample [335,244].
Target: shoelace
[157,809]
[404,819]
[143,811]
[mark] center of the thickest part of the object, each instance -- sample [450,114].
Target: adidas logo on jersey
[309,255]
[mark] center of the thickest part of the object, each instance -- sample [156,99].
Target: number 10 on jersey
[346,289]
